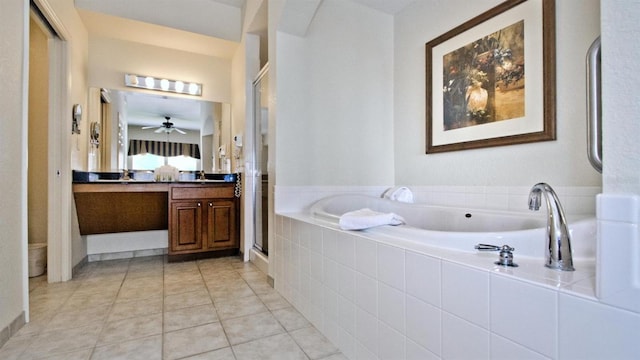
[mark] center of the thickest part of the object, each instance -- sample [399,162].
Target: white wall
[334,99]
[562,162]
[621,109]
[13,27]
[110,59]
[619,205]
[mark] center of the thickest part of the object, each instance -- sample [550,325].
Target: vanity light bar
[151,83]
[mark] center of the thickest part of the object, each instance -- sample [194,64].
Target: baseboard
[260,260]
[127,254]
[79,266]
[11,329]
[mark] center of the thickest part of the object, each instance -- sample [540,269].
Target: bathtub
[460,228]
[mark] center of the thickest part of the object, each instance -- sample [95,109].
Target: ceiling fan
[166,127]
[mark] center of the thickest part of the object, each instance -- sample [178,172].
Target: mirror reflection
[141,131]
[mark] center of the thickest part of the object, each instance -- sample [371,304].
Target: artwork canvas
[485,80]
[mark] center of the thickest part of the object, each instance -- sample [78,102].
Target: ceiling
[215,18]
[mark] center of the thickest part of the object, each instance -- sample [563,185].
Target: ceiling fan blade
[159,130]
[148,127]
[178,130]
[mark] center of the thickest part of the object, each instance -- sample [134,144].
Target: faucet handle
[506,253]
[487,247]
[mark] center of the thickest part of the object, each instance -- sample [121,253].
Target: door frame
[59,249]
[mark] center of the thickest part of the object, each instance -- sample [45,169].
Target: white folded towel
[367,218]
[399,193]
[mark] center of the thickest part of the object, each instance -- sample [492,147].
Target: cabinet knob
[199,204]
[210,204]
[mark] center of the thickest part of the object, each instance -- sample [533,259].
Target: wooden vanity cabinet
[202,219]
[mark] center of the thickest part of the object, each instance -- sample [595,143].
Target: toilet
[37,259]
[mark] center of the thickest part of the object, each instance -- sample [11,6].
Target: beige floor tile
[252,327]
[148,348]
[220,354]
[38,310]
[37,324]
[290,318]
[180,266]
[221,277]
[314,344]
[79,317]
[189,299]
[273,300]
[106,287]
[178,277]
[130,302]
[230,291]
[155,272]
[232,308]
[182,287]
[271,348]
[143,281]
[55,288]
[129,309]
[140,293]
[189,317]
[63,341]
[84,354]
[260,287]
[82,301]
[195,340]
[133,328]
[16,345]
[103,278]
[221,280]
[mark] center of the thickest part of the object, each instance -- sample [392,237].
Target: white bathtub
[461,229]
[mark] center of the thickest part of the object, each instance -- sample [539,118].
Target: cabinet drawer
[202,192]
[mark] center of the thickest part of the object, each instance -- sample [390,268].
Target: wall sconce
[151,83]
[76,118]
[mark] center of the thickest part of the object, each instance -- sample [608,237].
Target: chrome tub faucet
[558,251]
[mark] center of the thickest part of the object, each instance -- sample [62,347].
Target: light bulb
[179,86]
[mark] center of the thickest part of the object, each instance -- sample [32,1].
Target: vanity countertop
[91,177]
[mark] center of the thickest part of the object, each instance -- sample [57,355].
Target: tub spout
[558,251]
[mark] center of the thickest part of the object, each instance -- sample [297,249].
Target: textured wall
[13,26]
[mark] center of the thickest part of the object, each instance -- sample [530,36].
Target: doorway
[55,125]
[37,144]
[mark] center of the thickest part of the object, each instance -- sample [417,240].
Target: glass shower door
[261,160]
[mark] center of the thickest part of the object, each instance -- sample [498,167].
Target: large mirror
[126,125]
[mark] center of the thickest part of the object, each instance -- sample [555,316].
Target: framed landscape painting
[491,80]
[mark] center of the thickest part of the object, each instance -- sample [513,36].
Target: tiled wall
[619,250]
[376,301]
[575,199]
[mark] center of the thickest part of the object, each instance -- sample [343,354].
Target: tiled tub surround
[576,200]
[379,297]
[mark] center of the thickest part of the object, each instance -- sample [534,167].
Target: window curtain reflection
[163,148]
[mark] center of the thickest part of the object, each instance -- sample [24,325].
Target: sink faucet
[558,252]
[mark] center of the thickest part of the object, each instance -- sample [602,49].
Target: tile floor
[146,308]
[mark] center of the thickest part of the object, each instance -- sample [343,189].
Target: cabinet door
[186,226]
[221,224]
